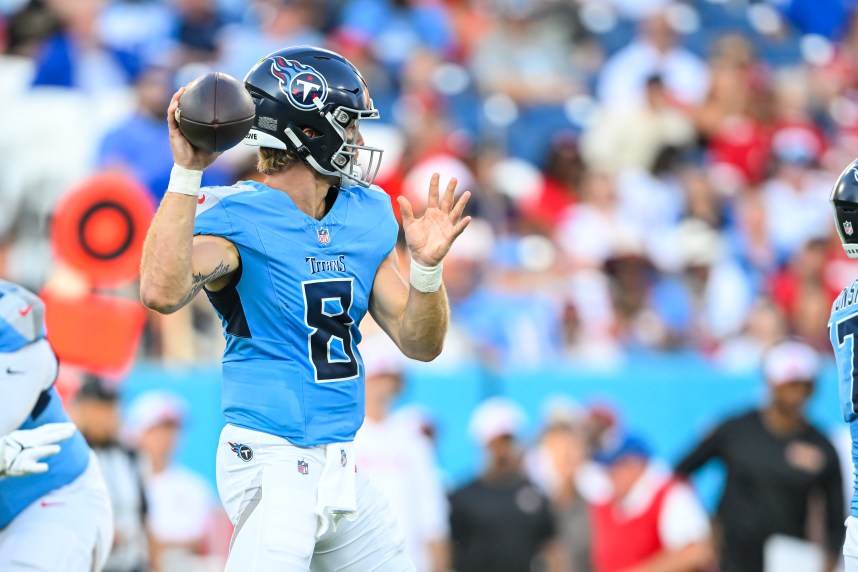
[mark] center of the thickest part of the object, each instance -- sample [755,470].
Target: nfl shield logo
[324,235]
[847,228]
[303,467]
[343,458]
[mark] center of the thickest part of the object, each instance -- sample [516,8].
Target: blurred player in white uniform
[842,328]
[398,459]
[55,512]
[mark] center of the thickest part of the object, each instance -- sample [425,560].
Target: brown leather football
[215,112]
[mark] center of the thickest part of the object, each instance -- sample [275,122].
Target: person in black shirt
[501,521]
[95,409]
[776,462]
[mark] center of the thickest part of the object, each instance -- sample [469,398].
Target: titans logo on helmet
[301,84]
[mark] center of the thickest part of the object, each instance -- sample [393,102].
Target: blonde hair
[270,160]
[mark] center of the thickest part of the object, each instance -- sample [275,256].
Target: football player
[291,265]
[842,328]
[55,510]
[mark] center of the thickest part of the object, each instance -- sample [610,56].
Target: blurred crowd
[647,175]
[585,492]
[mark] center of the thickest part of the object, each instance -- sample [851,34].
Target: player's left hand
[429,237]
[22,451]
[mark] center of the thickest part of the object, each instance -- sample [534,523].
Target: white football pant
[270,490]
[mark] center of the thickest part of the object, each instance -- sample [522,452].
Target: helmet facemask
[344,163]
[357,162]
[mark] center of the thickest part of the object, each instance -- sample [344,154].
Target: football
[215,112]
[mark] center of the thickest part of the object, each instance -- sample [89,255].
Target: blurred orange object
[96,333]
[99,228]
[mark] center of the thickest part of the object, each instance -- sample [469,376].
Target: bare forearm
[439,554]
[166,281]
[167,278]
[691,557]
[424,324]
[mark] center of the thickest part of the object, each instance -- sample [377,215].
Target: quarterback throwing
[292,265]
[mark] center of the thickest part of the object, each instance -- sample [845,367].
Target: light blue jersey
[843,327]
[21,324]
[291,366]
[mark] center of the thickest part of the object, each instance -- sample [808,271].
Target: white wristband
[426,278]
[185,181]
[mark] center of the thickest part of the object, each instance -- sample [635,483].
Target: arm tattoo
[199,280]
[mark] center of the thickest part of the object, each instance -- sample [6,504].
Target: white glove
[20,451]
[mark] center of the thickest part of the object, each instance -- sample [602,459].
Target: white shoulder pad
[24,374]
[210,196]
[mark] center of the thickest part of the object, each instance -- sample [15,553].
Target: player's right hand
[21,451]
[184,154]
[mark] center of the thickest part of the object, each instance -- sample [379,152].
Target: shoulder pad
[210,196]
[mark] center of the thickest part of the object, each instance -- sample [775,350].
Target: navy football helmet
[844,199]
[305,86]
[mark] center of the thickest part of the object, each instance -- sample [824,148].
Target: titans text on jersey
[290,316]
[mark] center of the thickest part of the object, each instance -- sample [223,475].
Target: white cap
[152,409]
[381,356]
[496,417]
[790,361]
[475,244]
[700,244]
[560,410]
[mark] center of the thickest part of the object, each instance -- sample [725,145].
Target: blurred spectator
[181,503]
[749,240]
[778,463]
[821,18]
[394,29]
[651,520]
[524,59]
[273,24]
[764,327]
[564,170]
[656,51]
[795,199]
[147,129]
[529,67]
[632,137]
[198,29]
[399,461]
[734,117]
[74,58]
[24,30]
[655,195]
[558,465]
[137,31]
[95,410]
[501,522]
[802,294]
[595,229]
[529,334]
[710,297]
